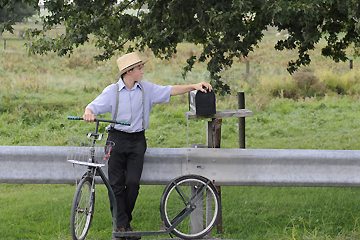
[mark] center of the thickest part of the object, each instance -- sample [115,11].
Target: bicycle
[189,205]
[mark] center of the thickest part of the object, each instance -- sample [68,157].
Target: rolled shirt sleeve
[154,94]
[160,94]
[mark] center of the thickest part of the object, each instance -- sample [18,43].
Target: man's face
[137,72]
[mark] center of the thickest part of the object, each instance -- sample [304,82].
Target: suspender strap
[117,105]
[143,105]
[117,92]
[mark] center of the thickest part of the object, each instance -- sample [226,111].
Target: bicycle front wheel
[191,203]
[82,209]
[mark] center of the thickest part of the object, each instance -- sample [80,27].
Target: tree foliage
[224,28]
[15,11]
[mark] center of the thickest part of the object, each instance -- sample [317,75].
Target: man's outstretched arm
[181,89]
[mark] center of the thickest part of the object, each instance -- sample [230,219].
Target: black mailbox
[203,104]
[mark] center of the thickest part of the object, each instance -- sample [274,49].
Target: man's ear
[126,72]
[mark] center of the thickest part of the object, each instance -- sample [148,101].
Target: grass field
[38,92]
[42,212]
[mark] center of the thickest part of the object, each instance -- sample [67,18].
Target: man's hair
[122,75]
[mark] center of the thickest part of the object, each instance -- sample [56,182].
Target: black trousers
[125,168]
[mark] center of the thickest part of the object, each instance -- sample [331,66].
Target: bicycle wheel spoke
[181,214]
[80,218]
[182,195]
[198,194]
[78,228]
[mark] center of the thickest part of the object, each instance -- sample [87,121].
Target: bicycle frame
[168,230]
[177,220]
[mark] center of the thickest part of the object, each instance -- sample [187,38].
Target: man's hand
[88,115]
[181,89]
[203,86]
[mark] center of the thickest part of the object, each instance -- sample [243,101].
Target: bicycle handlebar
[99,120]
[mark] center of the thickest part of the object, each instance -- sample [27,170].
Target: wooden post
[247,73]
[214,133]
[241,105]
[214,141]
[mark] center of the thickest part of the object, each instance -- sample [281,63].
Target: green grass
[38,92]
[42,212]
[290,213]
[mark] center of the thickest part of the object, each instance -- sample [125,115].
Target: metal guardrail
[275,167]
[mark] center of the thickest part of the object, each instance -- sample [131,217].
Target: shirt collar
[122,85]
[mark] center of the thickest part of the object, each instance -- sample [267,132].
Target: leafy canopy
[15,11]
[224,28]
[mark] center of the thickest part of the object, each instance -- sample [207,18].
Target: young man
[130,101]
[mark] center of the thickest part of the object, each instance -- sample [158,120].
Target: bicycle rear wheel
[190,192]
[82,208]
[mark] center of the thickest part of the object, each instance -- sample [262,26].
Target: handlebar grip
[74,118]
[112,121]
[123,123]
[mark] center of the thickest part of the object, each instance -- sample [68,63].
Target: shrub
[284,88]
[302,84]
[308,85]
[343,84]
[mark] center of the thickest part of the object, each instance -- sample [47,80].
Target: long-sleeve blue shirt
[132,108]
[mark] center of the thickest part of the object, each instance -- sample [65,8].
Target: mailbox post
[214,130]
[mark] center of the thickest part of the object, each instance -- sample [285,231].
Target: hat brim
[132,66]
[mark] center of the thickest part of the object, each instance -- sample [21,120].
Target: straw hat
[129,61]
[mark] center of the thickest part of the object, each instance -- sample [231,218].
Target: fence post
[241,105]
[247,71]
[214,133]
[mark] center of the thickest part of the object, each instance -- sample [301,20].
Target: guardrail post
[196,219]
[214,141]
